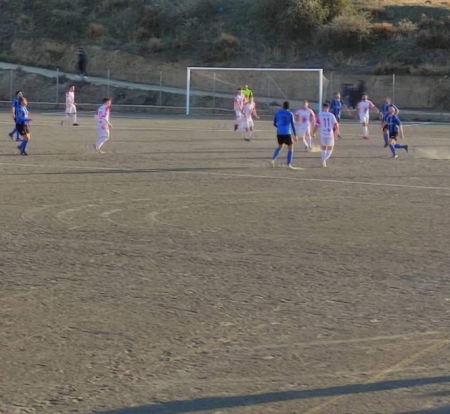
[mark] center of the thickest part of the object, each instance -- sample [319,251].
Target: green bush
[390,68]
[226,47]
[405,29]
[346,32]
[431,39]
[298,19]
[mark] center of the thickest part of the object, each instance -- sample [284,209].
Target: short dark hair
[17,93]
[286,105]
[106,100]
[326,105]
[239,89]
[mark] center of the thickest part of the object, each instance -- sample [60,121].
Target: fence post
[57,85]
[331,85]
[393,88]
[160,88]
[214,93]
[11,85]
[108,76]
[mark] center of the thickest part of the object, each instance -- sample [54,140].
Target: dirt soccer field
[178,273]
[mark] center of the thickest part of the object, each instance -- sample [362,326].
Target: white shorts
[247,123]
[102,133]
[363,119]
[71,109]
[303,129]
[327,141]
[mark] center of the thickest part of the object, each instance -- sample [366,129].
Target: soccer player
[336,109]
[81,63]
[328,124]
[383,113]
[22,122]
[304,118]
[238,106]
[103,124]
[284,123]
[71,108]
[248,111]
[247,92]
[363,108]
[15,106]
[393,125]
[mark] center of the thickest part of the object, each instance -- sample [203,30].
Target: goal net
[213,89]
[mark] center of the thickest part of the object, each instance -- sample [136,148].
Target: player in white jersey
[363,109]
[328,125]
[238,106]
[304,118]
[248,111]
[71,108]
[103,124]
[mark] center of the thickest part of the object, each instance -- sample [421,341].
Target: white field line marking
[331,342]
[269,177]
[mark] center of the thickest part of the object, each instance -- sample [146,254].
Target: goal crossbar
[213,69]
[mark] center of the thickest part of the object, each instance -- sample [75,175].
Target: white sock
[324,155]
[250,133]
[365,131]
[329,152]
[74,118]
[66,118]
[309,141]
[100,142]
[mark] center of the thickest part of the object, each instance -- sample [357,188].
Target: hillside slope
[372,36]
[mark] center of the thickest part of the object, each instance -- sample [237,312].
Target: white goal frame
[191,68]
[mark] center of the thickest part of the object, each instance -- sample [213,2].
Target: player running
[284,123]
[248,111]
[304,118]
[328,124]
[22,121]
[103,124]
[15,106]
[383,113]
[336,109]
[363,109]
[393,125]
[238,106]
[71,108]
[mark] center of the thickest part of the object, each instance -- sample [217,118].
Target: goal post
[214,88]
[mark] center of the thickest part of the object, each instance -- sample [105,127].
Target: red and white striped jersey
[102,116]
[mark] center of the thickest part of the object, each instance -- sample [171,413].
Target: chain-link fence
[164,90]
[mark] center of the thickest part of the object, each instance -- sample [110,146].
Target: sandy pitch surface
[179,273]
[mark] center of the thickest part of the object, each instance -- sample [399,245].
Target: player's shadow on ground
[220,403]
[132,171]
[441,410]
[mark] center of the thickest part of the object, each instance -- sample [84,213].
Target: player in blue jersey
[393,126]
[284,123]
[384,113]
[15,106]
[22,121]
[336,106]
